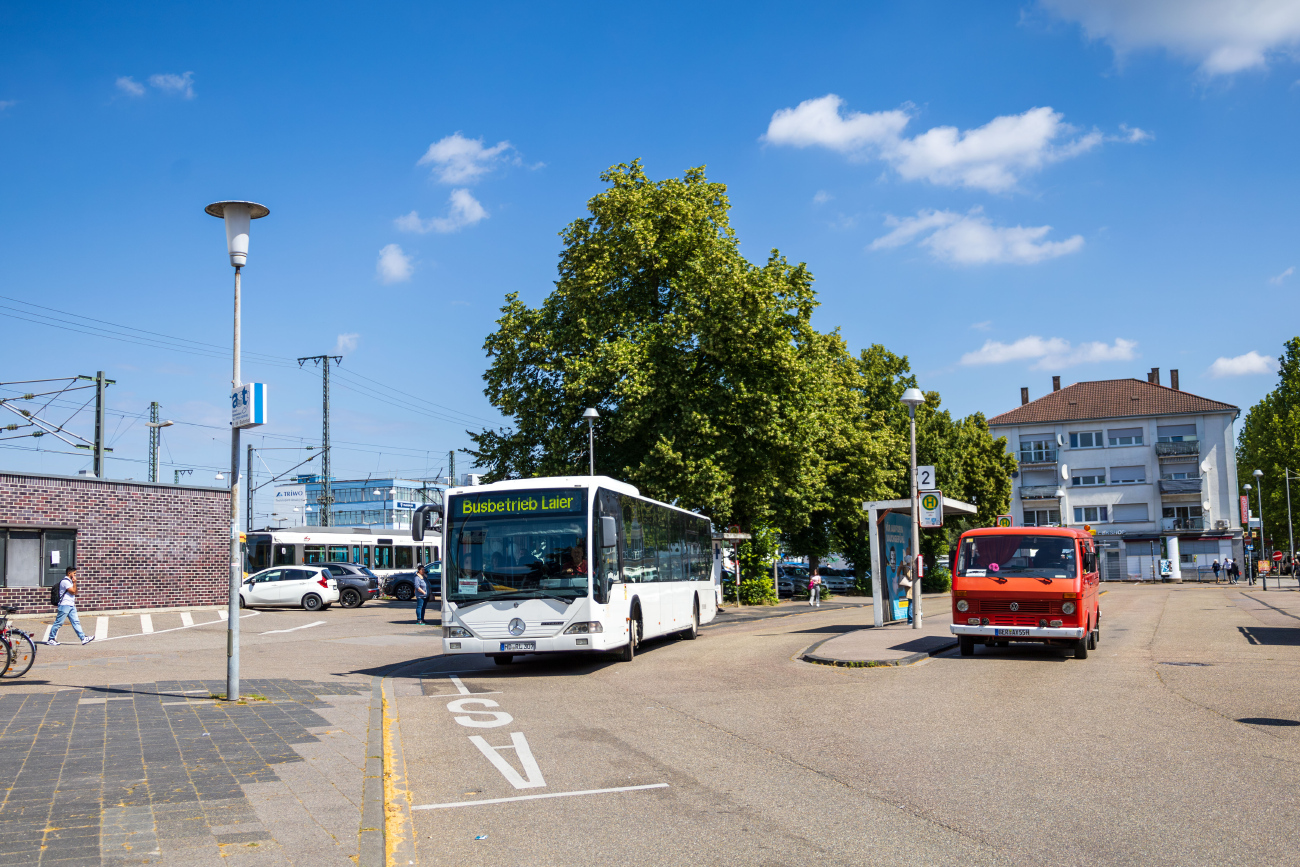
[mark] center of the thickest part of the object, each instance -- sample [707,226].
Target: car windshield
[517,557]
[1004,556]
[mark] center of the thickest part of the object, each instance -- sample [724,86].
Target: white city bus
[516,575]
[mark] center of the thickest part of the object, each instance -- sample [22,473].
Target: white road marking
[176,628]
[146,624]
[294,629]
[101,628]
[535,797]
[187,619]
[48,627]
[461,689]
[498,718]
[532,778]
[223,614]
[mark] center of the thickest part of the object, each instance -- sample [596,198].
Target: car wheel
[242,603]
[312,602]
[350,599]
[404,592]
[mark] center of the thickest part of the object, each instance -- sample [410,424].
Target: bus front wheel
[628,653]
[692,632]
[503,659]
[967,645]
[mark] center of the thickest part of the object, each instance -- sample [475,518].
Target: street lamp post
[1290,532]
[591,415]
[1246,536]
[157,443]
[1259,494]
[914,398]
[237,217]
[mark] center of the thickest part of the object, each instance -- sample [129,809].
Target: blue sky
[1001,191]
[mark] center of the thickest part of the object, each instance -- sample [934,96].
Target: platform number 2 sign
[925,479]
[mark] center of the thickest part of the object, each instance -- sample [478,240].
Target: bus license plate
[1012,633]
[519,645]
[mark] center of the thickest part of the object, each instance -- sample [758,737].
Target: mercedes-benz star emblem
[516,627]
[1015,606]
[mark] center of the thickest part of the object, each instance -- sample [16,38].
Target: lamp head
[591,413]
[913,398]
[167,423]
[1257,473]
[1246,487]
[237,216]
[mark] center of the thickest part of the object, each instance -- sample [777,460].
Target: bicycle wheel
[22,653]
[7,657]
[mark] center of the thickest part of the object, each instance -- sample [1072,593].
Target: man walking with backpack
[64,596]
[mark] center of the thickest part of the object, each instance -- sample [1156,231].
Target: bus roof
[549,482]
[1029,531]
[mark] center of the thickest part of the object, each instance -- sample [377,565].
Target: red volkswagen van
[1035,584]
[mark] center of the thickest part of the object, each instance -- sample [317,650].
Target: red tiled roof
[1109,398]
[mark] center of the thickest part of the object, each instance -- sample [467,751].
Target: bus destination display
[524,503]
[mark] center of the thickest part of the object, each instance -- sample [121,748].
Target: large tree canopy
[1270,442]
[714,390]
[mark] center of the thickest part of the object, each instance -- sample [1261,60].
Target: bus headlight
[962,605]
[584,628]
[456,632]
[1067,607]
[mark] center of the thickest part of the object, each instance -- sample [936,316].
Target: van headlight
[584,628]
[456,632]
[1067,607]
[962,605]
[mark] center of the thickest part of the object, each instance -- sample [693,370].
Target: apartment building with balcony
[1138,462]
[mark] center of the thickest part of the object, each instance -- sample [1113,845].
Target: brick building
[135,544]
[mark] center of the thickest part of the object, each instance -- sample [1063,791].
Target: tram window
[313,553]
[420,555]
[403,558]
[383,557]
[365,556]
[338,554]
[284,556]
[356,554]
[259,555]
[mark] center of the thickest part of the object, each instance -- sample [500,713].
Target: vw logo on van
[516,627]
[1015,606]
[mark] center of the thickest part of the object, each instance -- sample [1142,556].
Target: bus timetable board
[570,501]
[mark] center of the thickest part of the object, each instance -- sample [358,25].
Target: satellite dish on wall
[1015,474]
[1065,471]
[1205,466]
[1206,505]
[1060,440]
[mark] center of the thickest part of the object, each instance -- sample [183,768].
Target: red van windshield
[1035,556]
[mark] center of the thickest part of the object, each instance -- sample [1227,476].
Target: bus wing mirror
[424,519]
[608,532]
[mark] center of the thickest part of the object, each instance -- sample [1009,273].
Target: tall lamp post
[914,398]
[1290,532]
[237,216]
[155,442]
[1259,494]
[591,415]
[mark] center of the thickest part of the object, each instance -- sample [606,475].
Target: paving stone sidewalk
[162,773]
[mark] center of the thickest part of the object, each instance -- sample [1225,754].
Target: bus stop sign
[931,508]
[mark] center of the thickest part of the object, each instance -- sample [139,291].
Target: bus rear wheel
[692,632]
[967,645]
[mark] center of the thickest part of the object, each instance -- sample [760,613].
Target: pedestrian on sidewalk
[67,608]
[1233,572]
[421,594]
[815,589]
[1215,567]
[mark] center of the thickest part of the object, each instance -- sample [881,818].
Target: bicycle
[19,647]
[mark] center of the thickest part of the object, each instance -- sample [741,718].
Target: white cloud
[1053,353]
[970,239]
[459,160]
[463,210]
[170,82]
[986,325]
[1223,36]
[1277,281]
[7,103]
[130,86]
[346,342]
[992,157]
[393,266]
[1243,365]
[822,197]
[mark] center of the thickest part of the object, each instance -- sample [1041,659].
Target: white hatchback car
[309,587]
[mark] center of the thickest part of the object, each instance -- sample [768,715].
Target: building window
[1037,450]
[1172,476]
[35,558]
[1129,512]
[1089,514]
[1042,518]
[1176,433]
[1086,478]
[1181,511]
[1128,475]
[1086,440]
[1129,436]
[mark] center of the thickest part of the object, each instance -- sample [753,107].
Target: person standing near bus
[421,594]
[68,609]
[1215,567]
[815,588]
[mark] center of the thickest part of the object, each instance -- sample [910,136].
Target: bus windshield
[1002,556]
[525,557]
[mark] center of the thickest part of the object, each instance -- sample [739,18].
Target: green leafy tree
[1270,441]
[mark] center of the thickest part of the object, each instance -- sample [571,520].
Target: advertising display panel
[896,544]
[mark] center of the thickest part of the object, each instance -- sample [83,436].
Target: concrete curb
[372,786]
[399,834]
[807,655]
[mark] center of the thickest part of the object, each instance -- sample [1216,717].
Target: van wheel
[503,659]
[311,602]
[1081,648]
[1092,639]
[692,632]
[967,645]
[628,653]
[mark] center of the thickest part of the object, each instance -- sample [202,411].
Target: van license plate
[1012,633]
[519,645]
